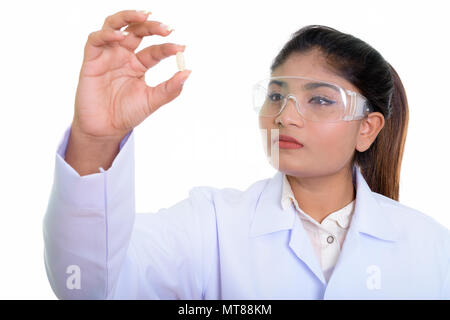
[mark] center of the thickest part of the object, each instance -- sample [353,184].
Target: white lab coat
[228,243]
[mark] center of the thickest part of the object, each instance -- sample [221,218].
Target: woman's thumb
[166,91]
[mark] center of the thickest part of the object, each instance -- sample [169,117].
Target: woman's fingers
[110,32]
[147,28]
[103,37]
[123,18]
[139,30]
[98,39]
[150,56]
[166,91]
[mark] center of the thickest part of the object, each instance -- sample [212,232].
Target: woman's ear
[368,130]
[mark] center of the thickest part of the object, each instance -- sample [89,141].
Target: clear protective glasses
[315,100]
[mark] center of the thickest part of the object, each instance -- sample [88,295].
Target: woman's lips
[287,142]
[289,145]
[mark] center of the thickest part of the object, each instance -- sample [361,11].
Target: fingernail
[145,13]
[162,25]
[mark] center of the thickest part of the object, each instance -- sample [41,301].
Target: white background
[208,135]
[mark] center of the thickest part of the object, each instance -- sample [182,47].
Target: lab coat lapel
[302,247]
[270,217]
[369,218]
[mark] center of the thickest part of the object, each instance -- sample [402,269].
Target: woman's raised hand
[112,97]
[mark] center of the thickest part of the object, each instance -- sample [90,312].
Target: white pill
[180,61]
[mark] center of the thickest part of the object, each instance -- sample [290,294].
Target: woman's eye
[321,100]
[275,97]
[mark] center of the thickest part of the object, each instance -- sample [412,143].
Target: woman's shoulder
[412,220]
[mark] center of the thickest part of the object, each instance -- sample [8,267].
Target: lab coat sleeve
[88,224]
[97,247]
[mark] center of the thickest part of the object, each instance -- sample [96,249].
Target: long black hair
[363,66]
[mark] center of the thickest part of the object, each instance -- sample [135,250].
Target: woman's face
[327,147]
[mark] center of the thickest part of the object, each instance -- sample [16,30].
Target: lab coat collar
[269,215]
[368,217]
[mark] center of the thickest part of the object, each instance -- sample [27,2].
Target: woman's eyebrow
[307,86]
[313,85]
[278,83]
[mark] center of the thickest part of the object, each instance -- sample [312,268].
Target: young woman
[327,225]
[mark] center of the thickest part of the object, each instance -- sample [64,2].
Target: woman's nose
[290,113]
[291,103]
